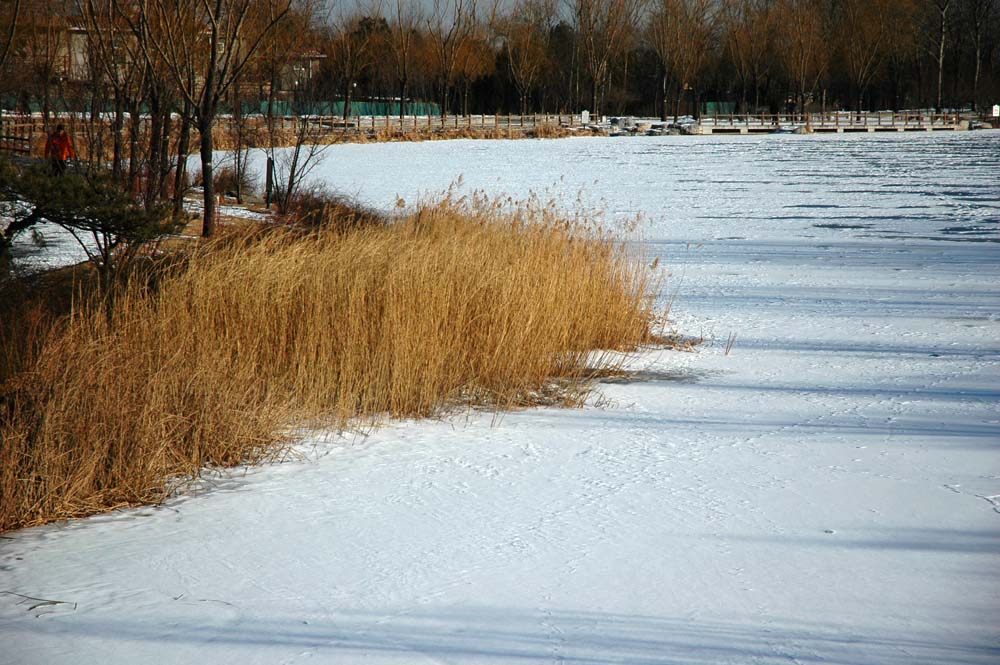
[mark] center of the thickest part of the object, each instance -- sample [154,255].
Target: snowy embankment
[827,492]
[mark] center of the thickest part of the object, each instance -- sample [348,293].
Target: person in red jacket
[59,149]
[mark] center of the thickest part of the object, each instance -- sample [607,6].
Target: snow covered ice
[829,491]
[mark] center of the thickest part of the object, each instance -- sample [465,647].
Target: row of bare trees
[640,55]
[634,55]
[177,65]
[485,55]
[783,54]
[148,64]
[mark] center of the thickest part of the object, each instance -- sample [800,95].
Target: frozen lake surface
[827,492]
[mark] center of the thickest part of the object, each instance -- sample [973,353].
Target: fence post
[269,180]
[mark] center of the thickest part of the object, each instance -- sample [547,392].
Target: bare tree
[274,64]
[476,58]
[863,32]
[10,22]
[449,25]
[44,30]
[115,57]
[977,15]
[938,23]
[352,46]
[805,43]
[292,166]
[404,20]
[681,32]
[560,80]
[525,30]
[282,67]
[749,30]
[205,45]
[603,26]
[901,45]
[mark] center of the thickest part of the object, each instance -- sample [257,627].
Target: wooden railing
[835,120]
[424,123]
[25,134]
[16,135]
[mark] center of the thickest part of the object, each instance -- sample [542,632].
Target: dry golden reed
[224,138]
[382,135]
[462,303]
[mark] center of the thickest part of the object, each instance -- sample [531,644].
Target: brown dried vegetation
[210,357]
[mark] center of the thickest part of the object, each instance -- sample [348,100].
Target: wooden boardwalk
[25,135]
[835,122]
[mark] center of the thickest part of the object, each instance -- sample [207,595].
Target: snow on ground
[827,492]
[44,247]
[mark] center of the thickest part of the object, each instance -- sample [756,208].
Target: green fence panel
[718,108]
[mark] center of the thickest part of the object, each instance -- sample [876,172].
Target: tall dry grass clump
[462,303]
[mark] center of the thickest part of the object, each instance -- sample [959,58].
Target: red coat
[60,147]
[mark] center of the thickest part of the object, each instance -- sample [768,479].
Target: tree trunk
[153,163]
[348,89]
[183,149]
[940,61]
[921,82]
[977,74]
[402,99]
[46,100]
[293,173]
[208,220]
[117,127]
[164,164]
[445,103]
[133,148]
[95,147]
[662,94]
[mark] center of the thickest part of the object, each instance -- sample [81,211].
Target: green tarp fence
[718,108]
[282,108]
[337,108]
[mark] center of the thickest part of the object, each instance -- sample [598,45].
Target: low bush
[226,181]
[462,303]
[229,182]
[551,132]
[317,207]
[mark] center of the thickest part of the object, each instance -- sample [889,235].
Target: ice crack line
[993,499]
